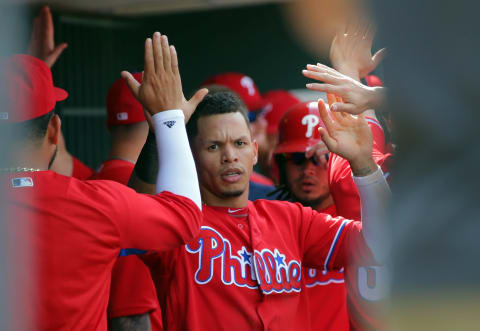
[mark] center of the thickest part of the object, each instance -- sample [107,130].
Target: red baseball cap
[278,102]
[122,107]
[243,85]
[28,89]
[298,128]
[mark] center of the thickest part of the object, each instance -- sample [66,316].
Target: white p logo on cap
[247,82]
[310,121]
[3,116]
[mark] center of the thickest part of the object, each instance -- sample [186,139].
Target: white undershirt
[375,195]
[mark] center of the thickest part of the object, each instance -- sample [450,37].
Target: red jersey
[116,170]
[244,270]
[80,170]
[327,295]
[364,284]
[76,230]
[132,291]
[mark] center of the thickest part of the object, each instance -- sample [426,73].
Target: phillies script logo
[268,269]
[316,277]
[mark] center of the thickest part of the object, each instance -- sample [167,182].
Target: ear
[255,151]
[54,130]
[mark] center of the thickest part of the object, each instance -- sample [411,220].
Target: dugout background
[254,40]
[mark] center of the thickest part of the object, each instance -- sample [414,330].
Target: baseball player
[306,181]
[278,102]
[132,292]
[42,45]
[75,228]
[244,269]
[248,91]
[365,285]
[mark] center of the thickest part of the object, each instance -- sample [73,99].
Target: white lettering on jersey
[268,269]
[373,283]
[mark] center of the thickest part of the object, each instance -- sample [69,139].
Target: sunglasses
[299,158]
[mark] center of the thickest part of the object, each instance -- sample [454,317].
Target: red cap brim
[60,94]
[296,146]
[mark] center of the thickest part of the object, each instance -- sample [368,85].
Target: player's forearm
[144,175]
[176,167]
[132,323]
[374,195]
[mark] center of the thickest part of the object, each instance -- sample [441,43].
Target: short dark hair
[33,130]
[221,101]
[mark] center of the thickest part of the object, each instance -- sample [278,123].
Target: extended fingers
[321,76]
[149,66]
[132,83]
[327,88]
[325,116]
[174,60]
[167,62]
[157,52]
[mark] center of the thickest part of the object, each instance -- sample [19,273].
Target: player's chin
[233,190]
[232,193]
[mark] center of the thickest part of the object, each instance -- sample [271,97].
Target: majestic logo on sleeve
[267,269]
[170,123]
[310,121]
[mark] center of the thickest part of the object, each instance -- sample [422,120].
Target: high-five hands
[351,51]
[42,43]
[350,137]
[356,97]
[161,87]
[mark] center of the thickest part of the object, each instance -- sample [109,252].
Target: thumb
[349,108]
[54,55]
[198,97]
[132,83]
[378,57]
[328,140]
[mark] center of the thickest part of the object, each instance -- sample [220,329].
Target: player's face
[308,182]
[225,155]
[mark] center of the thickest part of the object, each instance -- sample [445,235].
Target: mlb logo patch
[3,116]
[22,182]
[122,116]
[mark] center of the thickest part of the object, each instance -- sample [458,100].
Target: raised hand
[357,97]
[350,137]
[161,87]
[351,51]
[42,43]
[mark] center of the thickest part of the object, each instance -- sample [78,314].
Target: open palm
[348,136]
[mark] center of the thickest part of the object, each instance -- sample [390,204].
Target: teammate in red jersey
[306,181]
[75,228]
[350,53]
[42,46]
[278,102]
[244,270]
[132,292]
[128,130]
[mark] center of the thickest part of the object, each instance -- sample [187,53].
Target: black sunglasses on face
[299,158]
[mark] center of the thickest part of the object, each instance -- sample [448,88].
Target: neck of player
[224,200]
[34,157]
